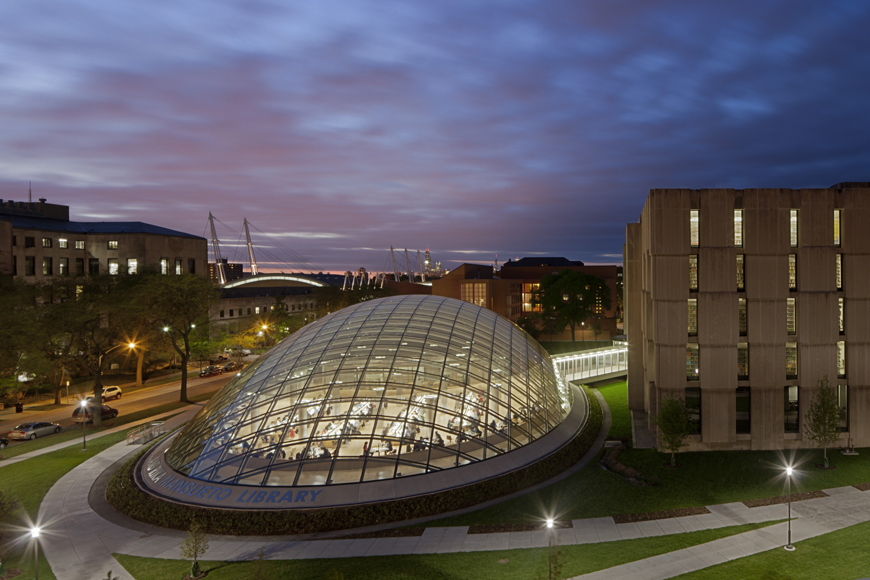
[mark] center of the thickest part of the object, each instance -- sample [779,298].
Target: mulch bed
[862,486]
[394,533]
[660,515]
[524,527]
[784,498]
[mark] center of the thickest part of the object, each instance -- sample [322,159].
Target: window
[132,265]
[14,241]
[29,265]
[841,359]
[744,408]
[843,403]
[740,278]
[792,409]
[222,314]
[256,309]
[29,242]
[837,241]
[47,267]
[62,243]
[93,266]
[839,271]
[474,293]
[793,228]
[46,242]
[742,361]
[694,229]
[63,266]
[693,317]
[693,273]
[113,266]
[842,316]
[791,315]
[113,244]
[178,271]
[693,403]
[741,316]
[693,362]
[792,271]
[738,228]
[231,312]
[191,266]
[528,293]
[249,311]
[164,265]
[80,266]
[791,360]
[80,244]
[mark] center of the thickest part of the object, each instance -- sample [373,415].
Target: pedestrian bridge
[594,364]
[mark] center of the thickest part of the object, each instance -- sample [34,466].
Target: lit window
[693,362]
[256,309]
[693,273]
[837,227]
[792,272]
[694,228]
[528,293]
[744,423]
[839,271]
[842,316]
[791,360]
[80,244]
[792,409]
[63,267]
[742,361]
[132,265]
[164,265]
[47,267]
[63,243]
[178,270]
[740,273]
[474,293]
[738,228]
[841,359]
[741,315]
[113,244]
[46,242]
[791,315]
[113,266]
[793,228]
[693,317]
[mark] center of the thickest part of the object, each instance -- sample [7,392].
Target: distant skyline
[509,128]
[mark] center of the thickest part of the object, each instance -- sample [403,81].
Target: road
[128,403]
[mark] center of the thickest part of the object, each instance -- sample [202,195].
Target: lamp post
[84,406]
[550,544]
[788,473]
[34,533]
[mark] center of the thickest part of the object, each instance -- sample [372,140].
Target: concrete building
[741,301]
[38,241]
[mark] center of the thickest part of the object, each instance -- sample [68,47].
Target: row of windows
[793,221]
[62,243]
[791,408]
[741,272]
[233,312]
[693,361]
[113,266]
[790,317]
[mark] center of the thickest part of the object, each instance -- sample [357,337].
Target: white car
[109,393]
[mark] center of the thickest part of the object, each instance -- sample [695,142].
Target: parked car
[211,371]
[34,430]
[237,351]
[232,366]
[217,359]
[3,443]
[85,414]
[109,393]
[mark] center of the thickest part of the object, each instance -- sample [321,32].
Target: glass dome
[387,388]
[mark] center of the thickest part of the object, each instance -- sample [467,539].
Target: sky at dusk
[484,128]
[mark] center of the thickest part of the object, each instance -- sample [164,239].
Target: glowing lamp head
[34,532]
[165,329]
[84,403]
[549,523]
[788,470]
[132,345]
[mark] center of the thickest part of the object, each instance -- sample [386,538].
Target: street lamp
[788,474]
[550,544]
[84,422]
[34,533]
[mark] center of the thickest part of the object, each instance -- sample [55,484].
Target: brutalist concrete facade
[805,290]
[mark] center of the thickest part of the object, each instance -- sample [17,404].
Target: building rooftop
[37,223]
[538,261]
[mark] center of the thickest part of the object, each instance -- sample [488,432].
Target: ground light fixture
[550,544]
[34,534]
[84,405]
[788,473]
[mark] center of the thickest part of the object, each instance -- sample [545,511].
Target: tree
[675,424]
[179,307]
[822,423]
[194,546]
[570,298]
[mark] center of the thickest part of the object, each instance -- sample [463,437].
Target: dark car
[85,414]
[211,371]
[232,366]
[3,443]
[33,430]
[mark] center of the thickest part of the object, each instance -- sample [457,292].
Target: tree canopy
[570,297]
[822,423]
[675,424]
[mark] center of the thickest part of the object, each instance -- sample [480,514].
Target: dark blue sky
[515,128]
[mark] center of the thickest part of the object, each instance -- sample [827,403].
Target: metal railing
[593,363]
[145,433]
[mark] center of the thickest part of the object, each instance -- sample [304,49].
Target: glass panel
[694,231]
[693,317]
[793,228]
[791,362]
[738,228]
[842,316]
[839,271]
[791,315]
[744,423]
[741,314]
[836,227]
[693,273]
[792,272]
[792,409]
[740,277]
[742,361]
[692,362]
[841,359]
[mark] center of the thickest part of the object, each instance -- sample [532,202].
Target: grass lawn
[522,564]
[76,431]
[840,554]
[616,395]
[29,481]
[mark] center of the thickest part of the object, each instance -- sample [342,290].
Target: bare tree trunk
[139,367]
[184,380]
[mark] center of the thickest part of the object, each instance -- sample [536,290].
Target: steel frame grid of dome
[387,388]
